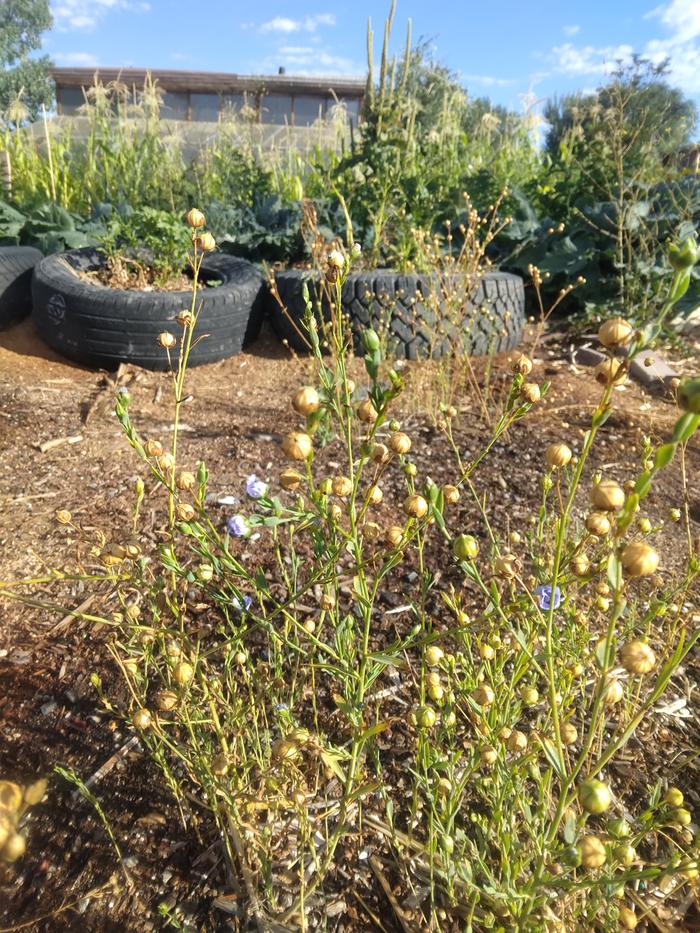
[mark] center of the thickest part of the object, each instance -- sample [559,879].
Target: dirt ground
[238,412]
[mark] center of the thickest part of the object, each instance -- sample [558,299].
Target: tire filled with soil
[100,326]
[417,316]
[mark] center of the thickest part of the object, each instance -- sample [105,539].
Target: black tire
[411,311]
[16,264]
[103,326]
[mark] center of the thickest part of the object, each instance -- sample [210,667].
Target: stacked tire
[101,326]
[16,265]
[418,316]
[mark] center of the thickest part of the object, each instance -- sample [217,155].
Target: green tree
[25,83]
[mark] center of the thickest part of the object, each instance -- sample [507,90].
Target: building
[206,97]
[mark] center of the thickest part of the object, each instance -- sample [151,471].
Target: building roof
[220,82]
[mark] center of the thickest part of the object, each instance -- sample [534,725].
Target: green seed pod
[465,547]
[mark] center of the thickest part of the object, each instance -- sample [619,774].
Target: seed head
[183,673]
[393,536]
[306,401]
[530,392]
[592,852]
[608,496]
[465,547]
[426,717]
[522,365]
[336,260]
[297,446]
[433,655]
[63,517]
[399,442]
[380,453]
[610,372]
[415,506]
[613,692]
[673,797]
[639,559]
[594,796]
[637,657]
[450,494]
[557,455]
[366,412]
[167,340]
[483,695]
[615,333]
[342,486]
[506,566]
[517,741]
[184,512]
[375,495]
[580,565]
[290,479]
[206,242]
[184,319]
[166,700]
[154,448]
[185,481]
[598,523]
[142,719]
[488,756]
[196,218]
[569,733]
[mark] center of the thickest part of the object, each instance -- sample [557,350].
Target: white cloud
[305,60]
[86,14]
[571,30]
[79,59]
[681,46]
[286,25]
[487,80]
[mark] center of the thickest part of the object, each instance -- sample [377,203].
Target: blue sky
[505,50]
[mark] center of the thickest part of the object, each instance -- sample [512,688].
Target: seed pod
[284,749]
[297,445]
[639,559]
[375,495]
[673,797]
[183,673]
[34,792]
[530,392]
[184,318]
[580,565]
[436,693]
[366,412]
[167,340]
[342,486]
[415,506]
[379,453]
[425,717]
[432,678]
[142,719]
[154,448]
[433,655]
[517,741]
[529,695]
[14,848]
[682,817]
[613,692]
[335,512]
[184,512]
[205,572]
[637,657]
[615,333]
[63,517]
[399,442]
[521,365]
[290,479]
[488,756]
[336,260]
[594,796]
[166,462]
[444,787]
[185,481]
[465,547]
[195,218]
[627,918]
[610,372]
[10,796]
[598,523]
[393,536]
[608,496]
[306,401]
[371,531]
[486,652]
[219,765]
[569,733]
[327,602]
[592,852]
[166,700]
[206,242]
[450,494]
[506,566]
[557,455]
[483,695]
[644,525]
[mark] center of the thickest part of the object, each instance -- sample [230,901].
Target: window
[232,103]
[71,99]
[276,109]
[175,106]
[308,110]
[205,107]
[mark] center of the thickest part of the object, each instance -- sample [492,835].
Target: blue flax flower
[238,526]
[255,487]
[546,598]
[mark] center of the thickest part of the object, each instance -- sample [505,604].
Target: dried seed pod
[639,559]
[637,657]
[184,512]
[627,918]
[167,340]
[557,455]
[184,318]
[610,372]
[592,852]
[598,523]
[426,717]
[506,566]
[488,755]
[569,733]
[465,547]
[371,531]
[450,494]
[393,536]
[521,365]
[608,496]
[195,218]
[415,506]
[366,412]
[433,655]
[206,242]
[483,695]
[185,481]
[580,565]
[530,392]
[219,765]
[290,479]
[297,445]
[63,516]
[380,453]
[375,495]
[14,848]
[613,692]
[342,486]
[166,700]
[306,401]
[183,673]
[399,442]
[517,741]
[10,796]
[154,448]
[142,719]
[615,332]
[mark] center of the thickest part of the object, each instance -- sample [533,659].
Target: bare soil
[235,418]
